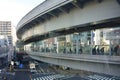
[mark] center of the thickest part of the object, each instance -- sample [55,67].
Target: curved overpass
[54,18]
[62,15]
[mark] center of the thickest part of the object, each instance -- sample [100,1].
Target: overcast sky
[14,10]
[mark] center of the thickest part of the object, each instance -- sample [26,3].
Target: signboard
[114,34]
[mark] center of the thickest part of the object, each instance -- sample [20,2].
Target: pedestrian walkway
[102,77]
[46,76]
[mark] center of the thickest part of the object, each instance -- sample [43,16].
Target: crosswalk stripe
[34,79]
[99,77]
[40,78]
[43,78]
[42,70]
[48,77]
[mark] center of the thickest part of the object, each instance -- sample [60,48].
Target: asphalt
[46,73]
[22,75]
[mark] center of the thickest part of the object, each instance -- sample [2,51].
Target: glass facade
[95,42]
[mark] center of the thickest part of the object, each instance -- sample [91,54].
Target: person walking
[118,50]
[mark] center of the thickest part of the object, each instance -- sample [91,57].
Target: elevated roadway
[54,18]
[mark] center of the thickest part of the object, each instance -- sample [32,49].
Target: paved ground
[102,77]
[44,72]
[22,75]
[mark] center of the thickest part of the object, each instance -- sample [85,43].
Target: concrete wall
[95,63]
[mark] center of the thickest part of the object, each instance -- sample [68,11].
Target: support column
[77,44]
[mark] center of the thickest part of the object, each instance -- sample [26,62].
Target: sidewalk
[6,74]
[71,71]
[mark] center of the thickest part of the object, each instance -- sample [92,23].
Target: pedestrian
[64,51]
[70,50]
[80,50]
[94,51]
[118,50]
[98,51]
[102,51]
[75,50]
[112,51]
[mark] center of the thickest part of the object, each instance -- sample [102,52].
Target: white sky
[14,10]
